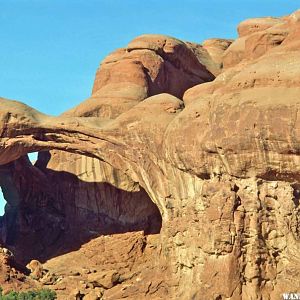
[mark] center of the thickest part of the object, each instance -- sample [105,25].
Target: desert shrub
[44,294]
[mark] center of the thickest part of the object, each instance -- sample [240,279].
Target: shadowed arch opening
[57,212]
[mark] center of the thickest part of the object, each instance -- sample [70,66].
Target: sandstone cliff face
[208,171]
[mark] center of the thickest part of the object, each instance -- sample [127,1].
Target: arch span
[122,143]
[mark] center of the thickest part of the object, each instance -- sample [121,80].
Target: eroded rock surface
[199,180]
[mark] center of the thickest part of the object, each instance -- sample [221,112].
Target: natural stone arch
[26,130]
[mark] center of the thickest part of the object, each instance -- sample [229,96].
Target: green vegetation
[44,294]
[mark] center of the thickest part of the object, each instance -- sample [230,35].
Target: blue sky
[50,49]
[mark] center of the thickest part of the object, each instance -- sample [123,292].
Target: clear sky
[50,49]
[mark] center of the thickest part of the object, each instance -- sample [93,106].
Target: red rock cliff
[195,145]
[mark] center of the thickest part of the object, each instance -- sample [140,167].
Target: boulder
[105,279]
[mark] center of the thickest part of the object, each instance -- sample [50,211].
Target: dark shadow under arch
[55,212]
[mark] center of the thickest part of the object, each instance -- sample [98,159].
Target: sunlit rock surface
[184,163]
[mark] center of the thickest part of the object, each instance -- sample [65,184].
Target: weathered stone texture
[189,186]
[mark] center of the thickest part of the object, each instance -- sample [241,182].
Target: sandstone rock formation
[184,163]
[12,274]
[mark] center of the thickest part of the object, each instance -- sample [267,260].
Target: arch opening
[33,156]
[58,212]
[2,203]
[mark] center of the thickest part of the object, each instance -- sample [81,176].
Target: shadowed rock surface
[187,184]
